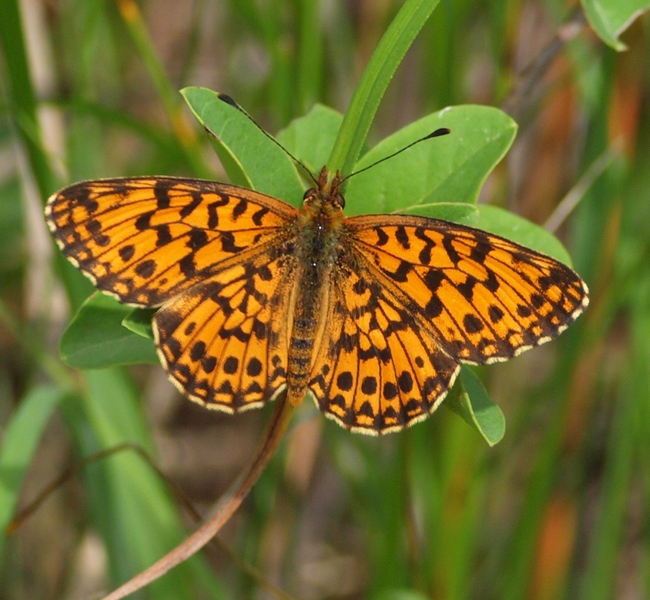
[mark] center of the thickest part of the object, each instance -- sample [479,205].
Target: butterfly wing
[412,297]
[221,341]
[482,297]
[377,369]
[147,239]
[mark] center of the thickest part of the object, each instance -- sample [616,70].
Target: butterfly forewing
[482,297]
[145,240]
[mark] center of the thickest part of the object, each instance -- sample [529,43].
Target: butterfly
[372,314]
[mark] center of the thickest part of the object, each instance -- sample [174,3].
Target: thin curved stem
[525,83]
[224,509]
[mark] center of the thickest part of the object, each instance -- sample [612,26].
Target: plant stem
[224,509]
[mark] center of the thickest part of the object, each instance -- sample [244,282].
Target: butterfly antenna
[436,133]
[228,100]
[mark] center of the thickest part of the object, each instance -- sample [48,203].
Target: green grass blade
[310,55]
[620,477]
[19,442]
[375,79]
[22,97]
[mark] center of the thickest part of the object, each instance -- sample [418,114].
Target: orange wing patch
[378,369]
[145,240]
[483,298]
[219,341]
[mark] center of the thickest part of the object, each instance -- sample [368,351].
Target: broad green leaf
[610,18]
[450,168]
[517,229]
[139,321]
[310,138]
[95,337]
[249,156]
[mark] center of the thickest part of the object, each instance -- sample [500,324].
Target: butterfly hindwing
[147,239]
[221,341]
[377,368]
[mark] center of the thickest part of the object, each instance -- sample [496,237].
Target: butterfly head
[326,195]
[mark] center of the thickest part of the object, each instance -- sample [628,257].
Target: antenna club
[228,100]
[438,133]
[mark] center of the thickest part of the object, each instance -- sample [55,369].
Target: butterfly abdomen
[301,348]
[317,237]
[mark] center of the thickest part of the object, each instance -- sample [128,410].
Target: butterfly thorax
[318,231]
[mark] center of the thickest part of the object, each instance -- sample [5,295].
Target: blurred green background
[559,509]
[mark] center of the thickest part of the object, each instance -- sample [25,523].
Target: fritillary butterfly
[372,314]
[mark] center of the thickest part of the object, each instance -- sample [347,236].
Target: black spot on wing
[345,381]
[146,268]
[231,365]
[402,237]
[126,252]
[228,243]
[239,208]
[259,215]
[163,235]
[472,323]
[197,239]
[143,222]
[187,265]
[382,237]
[400,274]
[369,385]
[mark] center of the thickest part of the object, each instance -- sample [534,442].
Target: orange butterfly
[371,313]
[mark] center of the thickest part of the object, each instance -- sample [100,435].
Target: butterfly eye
[340,200]
[308,196]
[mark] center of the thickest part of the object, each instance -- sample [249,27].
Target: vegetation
[557,509]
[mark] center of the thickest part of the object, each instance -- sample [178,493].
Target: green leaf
[311,138]
[476,408]
[451,168]
[95,338]
[20,440]
[516,228]
[250,157]
[610,18]
[139,321]
[380,69]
